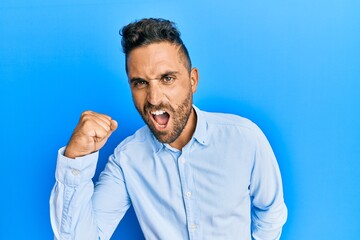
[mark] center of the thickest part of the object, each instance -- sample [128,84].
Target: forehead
[153,59]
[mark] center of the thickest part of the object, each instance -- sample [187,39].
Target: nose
[154,93]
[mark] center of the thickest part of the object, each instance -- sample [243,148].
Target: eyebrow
[137,79]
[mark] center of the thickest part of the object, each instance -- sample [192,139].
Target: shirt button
[188,194]
[182,160]
[75,172]
[193,226]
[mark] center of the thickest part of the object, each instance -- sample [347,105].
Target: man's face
[162,89]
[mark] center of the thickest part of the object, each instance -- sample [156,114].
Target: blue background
[293,67]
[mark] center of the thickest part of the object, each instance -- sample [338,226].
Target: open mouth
[161,118]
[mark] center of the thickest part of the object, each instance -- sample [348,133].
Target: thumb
[113,125]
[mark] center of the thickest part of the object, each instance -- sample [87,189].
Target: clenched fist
[90,134]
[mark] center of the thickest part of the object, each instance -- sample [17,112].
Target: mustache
[149,107]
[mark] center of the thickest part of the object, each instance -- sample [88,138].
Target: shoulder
[227,127]
[229,120]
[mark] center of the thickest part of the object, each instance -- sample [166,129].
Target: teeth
[158,112]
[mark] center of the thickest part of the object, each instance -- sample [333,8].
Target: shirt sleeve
[269,212]
[80,211]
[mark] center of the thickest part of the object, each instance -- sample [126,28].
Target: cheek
[138,98]
[177,98]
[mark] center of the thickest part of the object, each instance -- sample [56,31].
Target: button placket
[182,160]
[187,183]
[193,227]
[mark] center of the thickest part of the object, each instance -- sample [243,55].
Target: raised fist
[90,134]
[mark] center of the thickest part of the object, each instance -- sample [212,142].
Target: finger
[90,114]
[113,125]
[95,130]
[98,125]
[103,122]
[102,116]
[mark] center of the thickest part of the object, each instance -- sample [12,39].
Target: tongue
[162,119]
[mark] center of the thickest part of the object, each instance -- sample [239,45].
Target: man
[188,174]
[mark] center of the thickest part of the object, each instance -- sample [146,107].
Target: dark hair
[152,30]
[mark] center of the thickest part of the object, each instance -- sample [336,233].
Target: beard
[179,117]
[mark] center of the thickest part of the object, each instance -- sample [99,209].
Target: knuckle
[87,112]
[106,116]
[86,115]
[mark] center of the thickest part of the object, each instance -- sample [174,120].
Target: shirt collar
[200,134]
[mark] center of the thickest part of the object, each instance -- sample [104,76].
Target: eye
[140,84]
[168,79]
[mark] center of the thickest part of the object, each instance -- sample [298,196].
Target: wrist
[70,154]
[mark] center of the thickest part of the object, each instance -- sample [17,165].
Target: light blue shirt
[224,184]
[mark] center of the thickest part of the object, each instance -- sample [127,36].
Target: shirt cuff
[72,172]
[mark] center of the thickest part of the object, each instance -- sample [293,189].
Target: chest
[207,177]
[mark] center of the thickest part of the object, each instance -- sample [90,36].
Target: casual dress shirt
[224,184]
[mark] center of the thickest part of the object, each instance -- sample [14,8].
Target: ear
[194,79]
